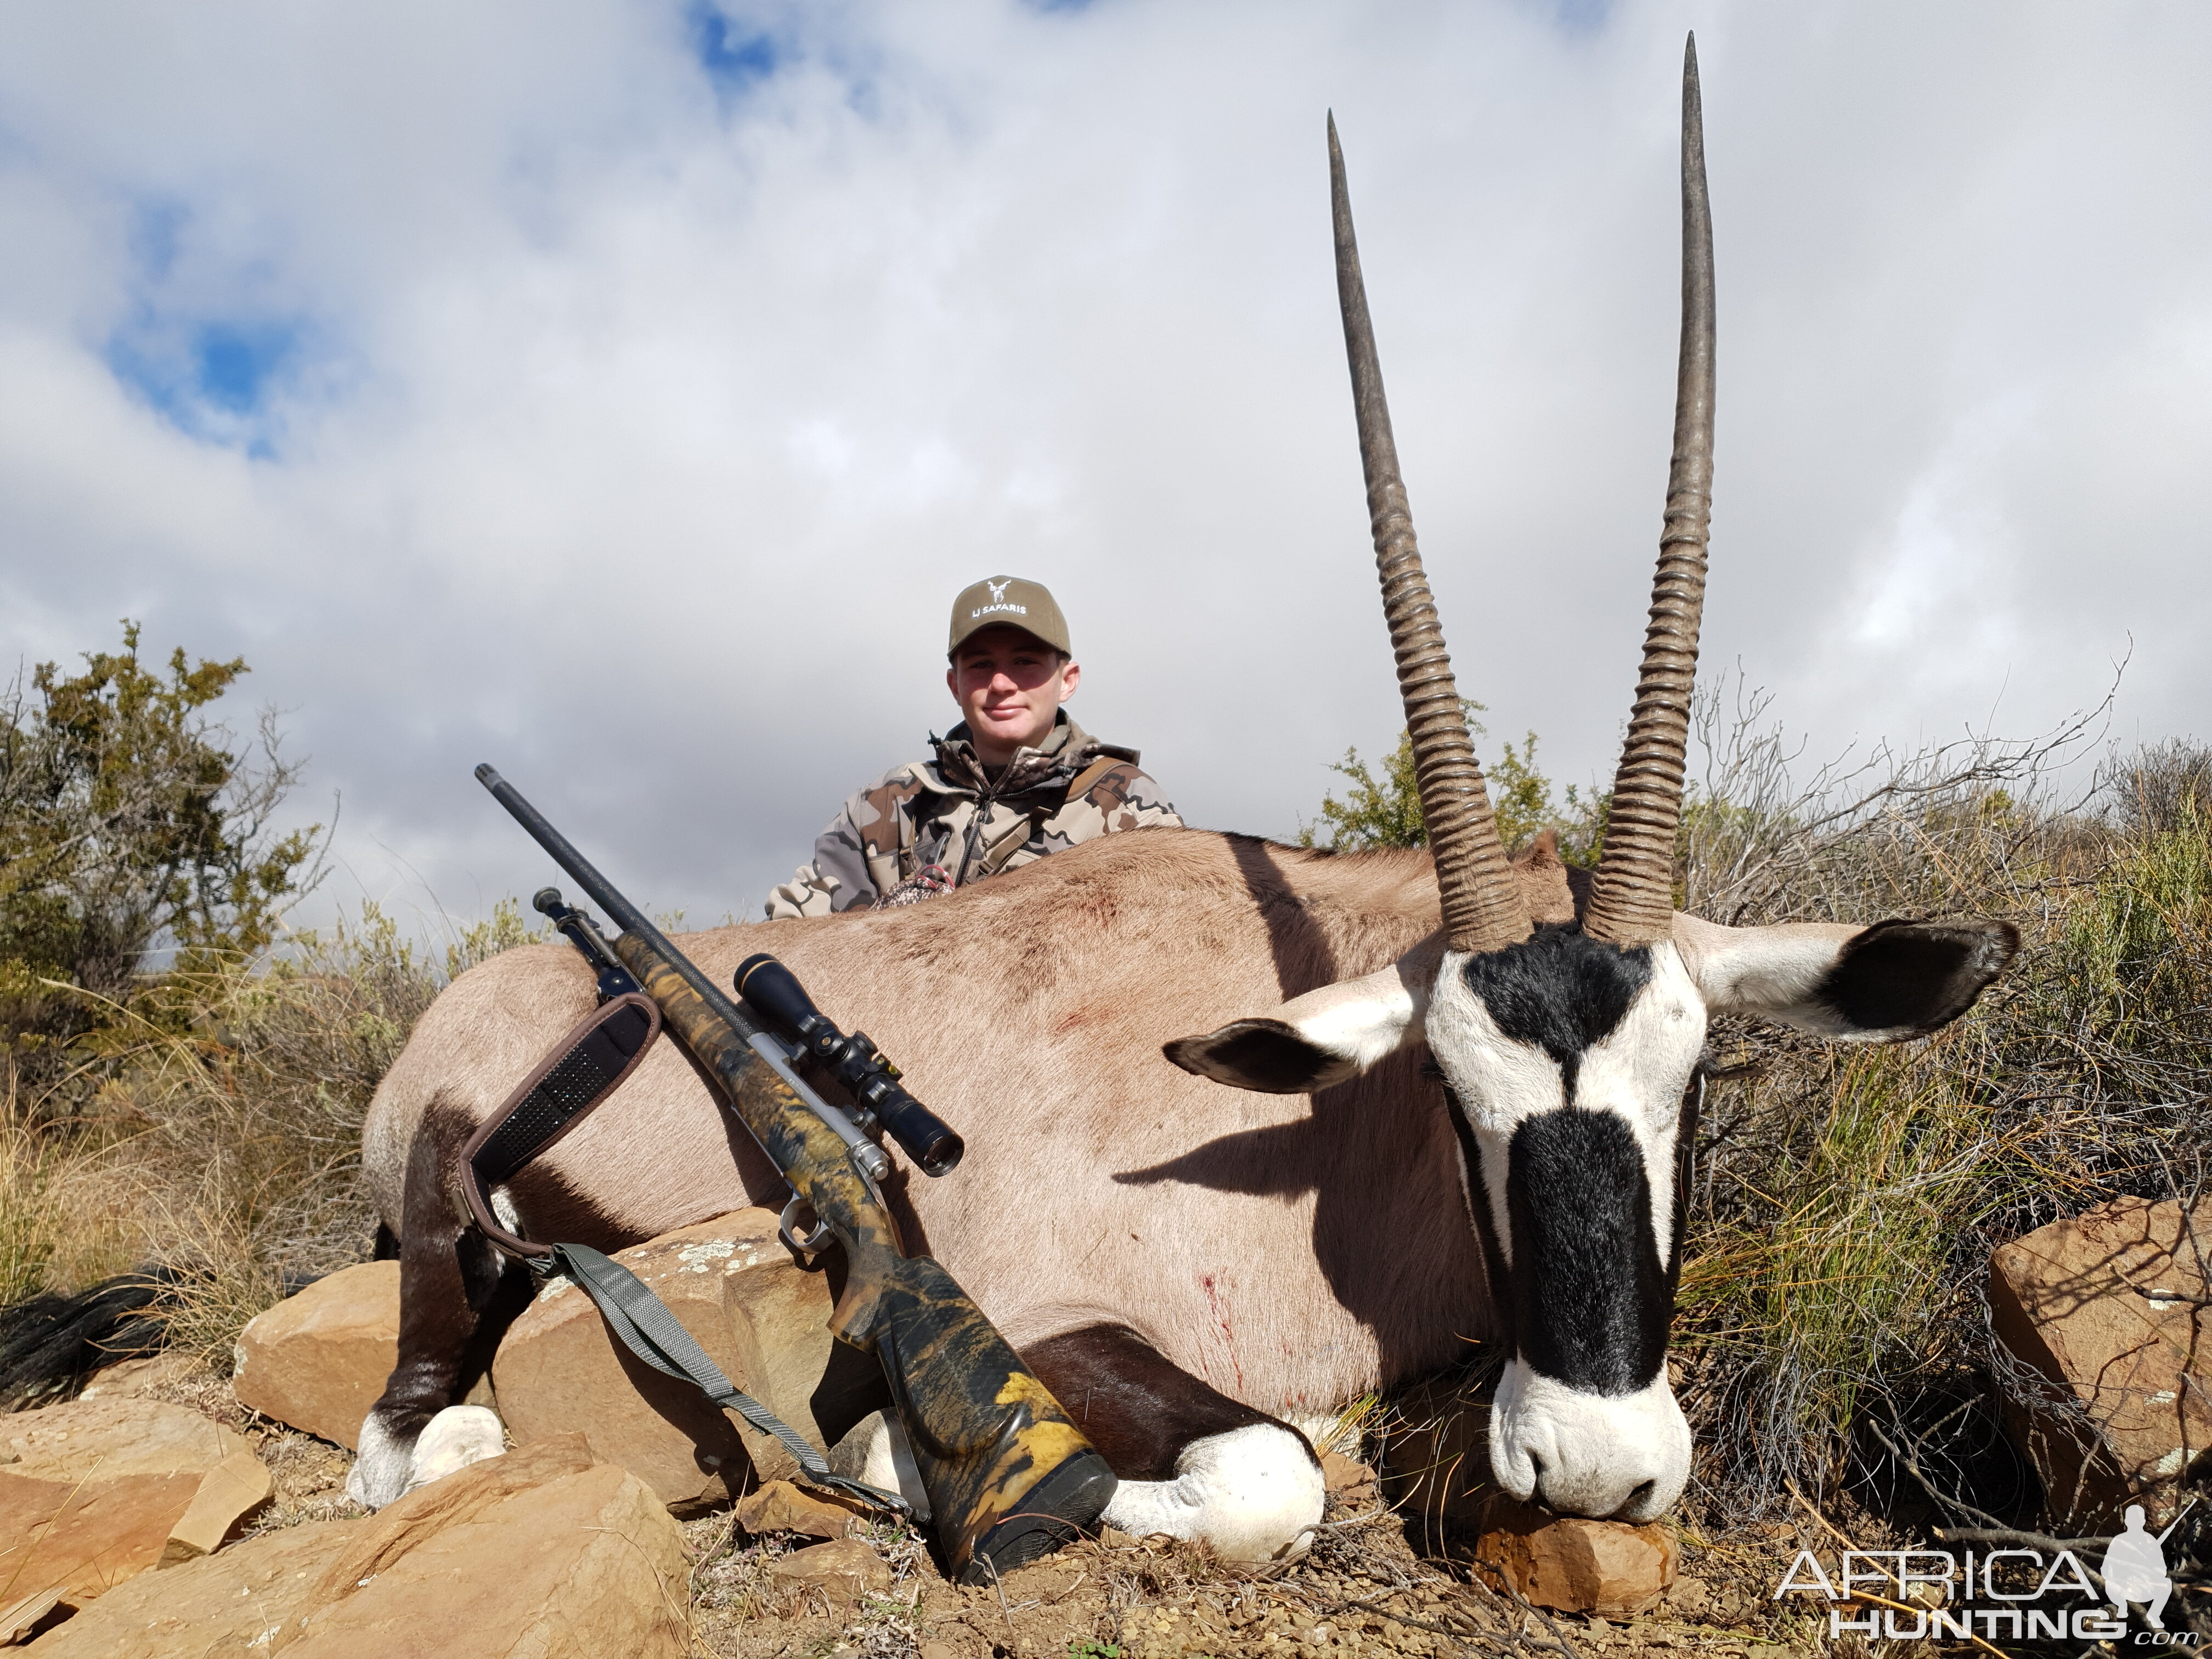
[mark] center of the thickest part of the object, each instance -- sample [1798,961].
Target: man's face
[1010,686]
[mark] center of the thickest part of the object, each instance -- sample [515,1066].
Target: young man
[1014,781]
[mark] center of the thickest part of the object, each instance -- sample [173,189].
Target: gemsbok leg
[457,1297]
[1193,1463]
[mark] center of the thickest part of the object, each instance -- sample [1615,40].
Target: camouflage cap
[1010,601]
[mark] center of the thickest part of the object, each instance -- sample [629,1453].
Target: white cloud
[633,433]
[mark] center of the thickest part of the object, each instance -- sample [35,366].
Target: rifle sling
[587,1066]
[646,1328]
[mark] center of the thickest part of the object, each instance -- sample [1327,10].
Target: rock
[846,1569]
[131,1378]
[227,1493]
[586,1565]
[1435,1467]
[779,1506]
[19,1619]
[760,1317]
[91,1491]
[2111,1310]
[1350,1481]
[233,1602]
[1604,1567]
[1690,1597]
[546,1552]
[318,1360]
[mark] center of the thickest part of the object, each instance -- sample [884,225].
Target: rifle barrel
[620,910]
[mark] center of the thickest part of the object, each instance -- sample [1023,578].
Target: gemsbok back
[1195,1270]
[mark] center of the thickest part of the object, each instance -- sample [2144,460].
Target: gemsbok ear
[1323,1038]
[1885,983]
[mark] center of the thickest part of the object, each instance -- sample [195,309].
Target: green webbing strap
[648,1330]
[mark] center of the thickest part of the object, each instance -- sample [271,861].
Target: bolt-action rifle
[1007,1473]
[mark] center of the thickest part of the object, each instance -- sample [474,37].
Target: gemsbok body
[1193,1270]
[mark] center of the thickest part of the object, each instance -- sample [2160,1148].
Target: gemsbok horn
[1483,906]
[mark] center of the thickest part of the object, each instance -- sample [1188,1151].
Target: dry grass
[1846,1201]
[212,1125]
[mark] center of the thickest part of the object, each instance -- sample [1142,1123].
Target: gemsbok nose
[1623,1457]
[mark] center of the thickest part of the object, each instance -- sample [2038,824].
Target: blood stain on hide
[1209,1284]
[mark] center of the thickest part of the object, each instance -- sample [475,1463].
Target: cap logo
[998,601]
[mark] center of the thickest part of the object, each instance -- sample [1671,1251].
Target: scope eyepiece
[854,1061]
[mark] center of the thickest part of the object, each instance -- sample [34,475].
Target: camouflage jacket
[949,813]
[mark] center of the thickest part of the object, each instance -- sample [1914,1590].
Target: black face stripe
[1560,991]
[1591,1300]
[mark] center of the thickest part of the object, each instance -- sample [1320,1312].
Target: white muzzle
[1623,1457]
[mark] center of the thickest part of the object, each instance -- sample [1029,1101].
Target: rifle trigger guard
[786,1228]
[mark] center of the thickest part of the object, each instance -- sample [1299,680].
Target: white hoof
[456,1438]
[876,1450]
[379,1466]
[1255,1494]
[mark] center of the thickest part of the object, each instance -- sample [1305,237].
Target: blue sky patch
[212,380]
[233,363]
[1583,16]
[735,56]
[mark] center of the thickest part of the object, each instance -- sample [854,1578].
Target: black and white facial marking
[1568,1059]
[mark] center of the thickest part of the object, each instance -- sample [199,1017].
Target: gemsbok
[1193,1269]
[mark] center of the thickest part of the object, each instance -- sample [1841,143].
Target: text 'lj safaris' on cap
[1013,602]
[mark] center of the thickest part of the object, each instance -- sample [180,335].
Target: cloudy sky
[618,392]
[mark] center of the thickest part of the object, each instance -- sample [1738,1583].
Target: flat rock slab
[779,1506]
[545,1552]
[1349,1481]
[19,1618]
[2112,1311]
[92,1491]
[844,1569]
[227,1493]
[760,1317]
[129,1377]
[1604,1567]
[233,1602]
[318,1360]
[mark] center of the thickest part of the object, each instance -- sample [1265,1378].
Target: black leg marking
[1139,1410]
[450,1280]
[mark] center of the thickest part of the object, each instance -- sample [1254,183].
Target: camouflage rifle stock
[1008,1474]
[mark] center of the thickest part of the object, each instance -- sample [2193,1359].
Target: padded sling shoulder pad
[582,1069]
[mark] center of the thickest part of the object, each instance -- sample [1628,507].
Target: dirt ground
[1362,1589]
[1365,1588]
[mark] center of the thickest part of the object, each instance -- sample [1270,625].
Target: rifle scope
[854,1061]
[867,1155]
